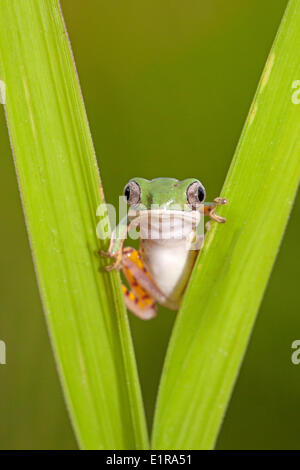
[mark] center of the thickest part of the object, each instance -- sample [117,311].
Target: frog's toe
[105,254]
[220,201]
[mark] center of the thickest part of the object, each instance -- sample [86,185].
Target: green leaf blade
[61,191]
[215,322]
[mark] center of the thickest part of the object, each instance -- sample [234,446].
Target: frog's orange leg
[143,307]
[137,300]
[133,266]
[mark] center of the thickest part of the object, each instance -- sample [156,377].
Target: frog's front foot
[117,257]
[218,201]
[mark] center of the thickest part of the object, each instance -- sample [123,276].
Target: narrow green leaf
[61,190]
[219,309]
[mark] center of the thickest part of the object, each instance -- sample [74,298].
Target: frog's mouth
[161,224]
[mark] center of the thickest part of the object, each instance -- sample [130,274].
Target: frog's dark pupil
[200,194]
[127,192]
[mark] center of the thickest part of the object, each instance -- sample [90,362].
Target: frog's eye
[132,192]
[195,194]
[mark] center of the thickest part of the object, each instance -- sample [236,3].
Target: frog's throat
[162,224]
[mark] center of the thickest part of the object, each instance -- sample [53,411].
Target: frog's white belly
[165,248]
[169,263]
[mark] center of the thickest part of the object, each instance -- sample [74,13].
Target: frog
[167,212]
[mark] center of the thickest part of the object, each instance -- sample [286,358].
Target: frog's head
[165,207]
[164,194]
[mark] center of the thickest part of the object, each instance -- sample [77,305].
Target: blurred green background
[167,86]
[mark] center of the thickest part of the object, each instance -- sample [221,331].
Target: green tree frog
[168,213]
